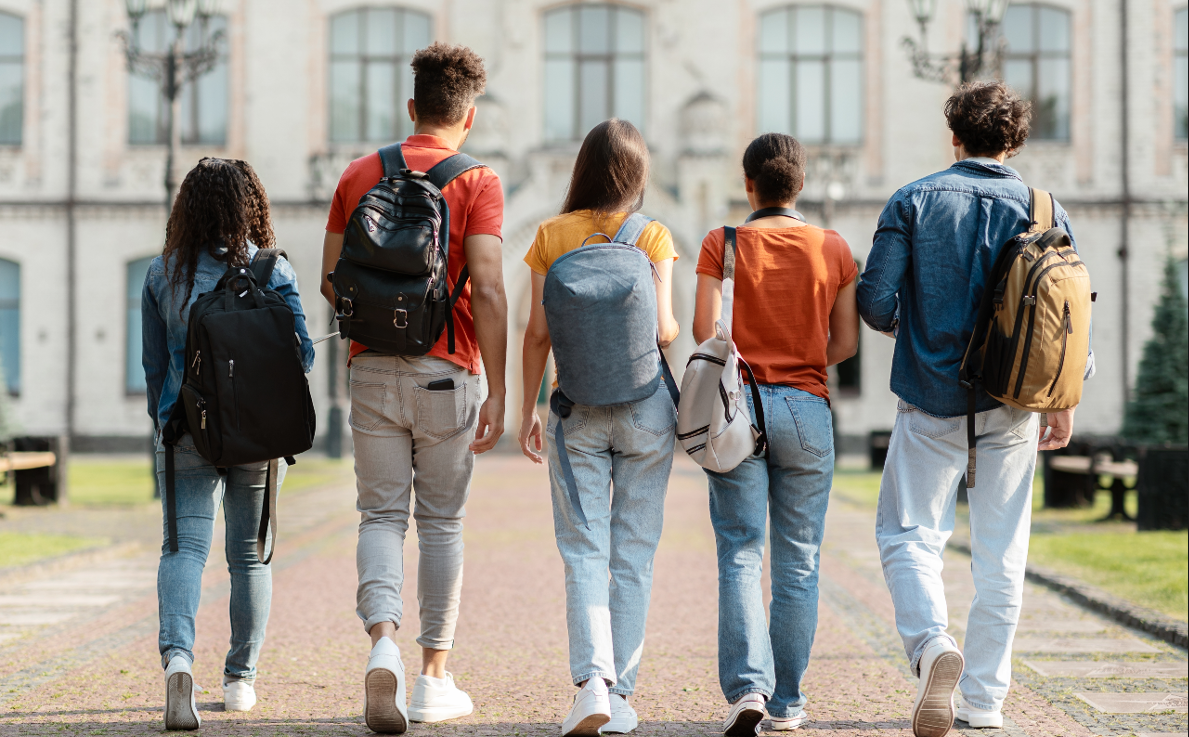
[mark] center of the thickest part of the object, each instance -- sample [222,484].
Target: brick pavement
[93,669]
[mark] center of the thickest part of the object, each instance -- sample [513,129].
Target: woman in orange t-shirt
[794,315]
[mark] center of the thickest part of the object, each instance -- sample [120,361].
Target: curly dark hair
[446,81]
[989,118]
[260,229]
[214,207]
[775,162]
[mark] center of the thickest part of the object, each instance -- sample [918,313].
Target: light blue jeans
[200,489]
[621,456]
[793,487]
[926,458]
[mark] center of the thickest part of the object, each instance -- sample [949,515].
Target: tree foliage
[1159,407]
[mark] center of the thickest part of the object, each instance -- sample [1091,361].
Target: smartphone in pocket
[441,385]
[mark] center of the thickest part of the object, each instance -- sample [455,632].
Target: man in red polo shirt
[409,439]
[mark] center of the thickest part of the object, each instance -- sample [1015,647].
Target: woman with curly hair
[220,219]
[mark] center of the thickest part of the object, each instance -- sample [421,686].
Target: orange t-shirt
[476,202]
[786,280]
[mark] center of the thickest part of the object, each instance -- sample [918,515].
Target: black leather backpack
[390,283]
[245,398]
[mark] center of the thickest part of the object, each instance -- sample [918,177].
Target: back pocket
[441,414]
[815,425]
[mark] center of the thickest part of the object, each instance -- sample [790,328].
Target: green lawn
[17,548]
[1148,568]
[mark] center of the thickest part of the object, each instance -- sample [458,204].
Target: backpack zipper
[196,364]
[234,393]
[1068,331]
[203,420]
[231,369]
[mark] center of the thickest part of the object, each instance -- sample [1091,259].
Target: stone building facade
[305,86]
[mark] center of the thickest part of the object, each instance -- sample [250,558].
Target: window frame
[1180,55]
[399,61]
[827,59]
[576,56]
[14,391]
[18,60]
[1034,58]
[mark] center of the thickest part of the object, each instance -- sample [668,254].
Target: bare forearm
[534,356]
[838,351]
[490,308]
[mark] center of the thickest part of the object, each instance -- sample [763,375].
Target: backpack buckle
[400,318]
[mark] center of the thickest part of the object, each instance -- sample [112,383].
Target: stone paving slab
[1034,644]
[1135,703]
[1097,669]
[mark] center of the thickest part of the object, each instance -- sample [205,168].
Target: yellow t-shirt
[564,233]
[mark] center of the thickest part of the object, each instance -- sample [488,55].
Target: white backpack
[713,424]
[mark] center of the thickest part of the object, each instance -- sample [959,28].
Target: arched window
[204,102]
[10,324]
[594,68]
[1036,63]
[12,79]
[1180,88]
[134,381]
[370,77]
[810,74]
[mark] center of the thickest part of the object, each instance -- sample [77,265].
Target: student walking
[794,315]
[220,219]
[415,417]
[609,459]
[926,275]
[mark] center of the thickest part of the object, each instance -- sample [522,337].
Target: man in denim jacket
[934,247]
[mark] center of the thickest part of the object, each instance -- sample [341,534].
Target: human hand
[530,436]
[491,425]
[1060,430]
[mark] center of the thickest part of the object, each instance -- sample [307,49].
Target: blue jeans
[926,458]
[621,456]
[200,488]
[793,486]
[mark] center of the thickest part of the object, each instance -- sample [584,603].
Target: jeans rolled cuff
[785,713]
[435,644]
[372,621]
[173,652]
[609,677]
[621,690]
[732,698]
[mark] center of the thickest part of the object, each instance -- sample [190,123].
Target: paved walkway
[78,648]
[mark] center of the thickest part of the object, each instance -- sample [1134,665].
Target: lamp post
[967,64]
[174,68]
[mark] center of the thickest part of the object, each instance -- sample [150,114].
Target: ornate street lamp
[175,68]
[967,64]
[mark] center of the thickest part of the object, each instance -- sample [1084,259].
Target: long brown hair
[611,171]
[214,207]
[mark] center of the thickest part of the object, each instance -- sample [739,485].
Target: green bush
[1156,413]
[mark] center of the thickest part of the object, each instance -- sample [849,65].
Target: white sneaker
[941,667]
[591,710]
[978,718]
[745,716]
[623,716]
[438,699]
[181,711]
[784,724]
[238,694]
[384,689]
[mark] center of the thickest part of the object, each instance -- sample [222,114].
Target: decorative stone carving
[490,134]
[704,125]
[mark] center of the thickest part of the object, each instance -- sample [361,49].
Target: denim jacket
[935,244]
[164,328]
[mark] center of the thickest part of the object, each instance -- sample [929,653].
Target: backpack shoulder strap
[393,160]
[447,170]
[728,252]
[263,264]
[632,228]
[1041,210]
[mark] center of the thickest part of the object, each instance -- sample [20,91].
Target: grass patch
[105,481]
[314,471]
[18,548]
[857,487]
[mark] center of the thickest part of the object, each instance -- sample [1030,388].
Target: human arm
[707,307]
[667,325]
[332,246]
[844,326]
[284,283]
[535,353]
[154,352]
[489,306]
[887,265]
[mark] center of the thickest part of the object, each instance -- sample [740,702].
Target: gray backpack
[600,305]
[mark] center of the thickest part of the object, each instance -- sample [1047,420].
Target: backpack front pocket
[200,420]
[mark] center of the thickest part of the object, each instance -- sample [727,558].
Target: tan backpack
[1032,335]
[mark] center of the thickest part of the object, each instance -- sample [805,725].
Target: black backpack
[391,281]
[245,397]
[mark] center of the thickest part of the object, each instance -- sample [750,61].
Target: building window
[12,79]
[1036,63]
[134,380]
[810,74]
[1181,74]
[370,76]
[594,69]
[10,324]
[204,102]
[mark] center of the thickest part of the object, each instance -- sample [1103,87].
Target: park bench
[1072,480]
[34,465]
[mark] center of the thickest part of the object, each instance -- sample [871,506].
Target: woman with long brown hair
[608,539]
[220,219]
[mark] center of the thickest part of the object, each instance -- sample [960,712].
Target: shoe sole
[381,713]
[980,723]
[787,726]
[588,727]
[934,715]
[745,724]
[179,714]
[431,714]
